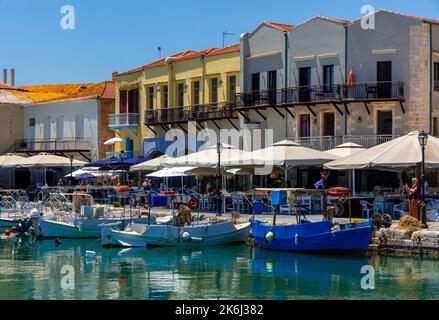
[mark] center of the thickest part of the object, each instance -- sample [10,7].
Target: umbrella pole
[286,175]
[354,193]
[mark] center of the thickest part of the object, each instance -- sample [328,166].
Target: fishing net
[409,223]
[183,216]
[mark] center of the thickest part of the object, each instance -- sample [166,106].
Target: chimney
[5,76]
[12,77]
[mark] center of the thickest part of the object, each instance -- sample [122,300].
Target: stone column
[418,106]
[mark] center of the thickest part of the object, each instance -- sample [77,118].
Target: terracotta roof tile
[62,92]
[346,22]
[412,16]
[280,26]
[233,48]
[5,86]
[184,55]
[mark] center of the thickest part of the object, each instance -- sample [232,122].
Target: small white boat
[82,227]
[189,236]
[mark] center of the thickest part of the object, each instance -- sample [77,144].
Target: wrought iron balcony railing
[213,111]
[51,145]
[322,94]
[124,120]
[330,142]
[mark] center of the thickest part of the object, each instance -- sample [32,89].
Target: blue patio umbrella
[133,161]
[110,162]
[85,176]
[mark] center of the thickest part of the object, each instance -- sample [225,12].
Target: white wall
[68,110]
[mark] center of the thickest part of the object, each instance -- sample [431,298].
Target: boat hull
[8,223]
[314,237]
[80,228]
[172,236]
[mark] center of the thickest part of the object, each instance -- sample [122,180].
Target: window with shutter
[123,101]
[133,101]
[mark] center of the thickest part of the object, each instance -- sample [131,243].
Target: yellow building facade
[169,92]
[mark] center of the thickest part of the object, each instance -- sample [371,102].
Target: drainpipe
[431,80]
[286,80]
[203,79]
[346,75]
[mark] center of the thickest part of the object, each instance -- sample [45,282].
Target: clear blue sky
[116,35]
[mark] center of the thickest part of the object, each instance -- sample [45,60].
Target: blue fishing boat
[313,237]
[305,236]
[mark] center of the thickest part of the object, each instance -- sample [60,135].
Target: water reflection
[31,270]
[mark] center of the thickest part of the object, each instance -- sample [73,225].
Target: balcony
[213,111]
[310,95]
[328,143]
[124,121]
[53,145]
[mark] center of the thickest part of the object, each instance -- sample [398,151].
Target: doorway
[328,124]
[384,122]
[305,84]
[384,79]
[272,86]
[304,125]
[129,148]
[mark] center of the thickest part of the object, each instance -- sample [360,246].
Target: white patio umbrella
[172,172]
[113,141]
[44,160]
[153,164]
[345,150]
[90,170]
[207,157]
[401,153]
[285,154]
[10,160]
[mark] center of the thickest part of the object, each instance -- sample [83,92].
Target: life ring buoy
[193,203]
[339,192]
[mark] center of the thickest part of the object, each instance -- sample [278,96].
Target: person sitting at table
[414,197]
[81,186]
[325,175]
[195,188]
[146,185]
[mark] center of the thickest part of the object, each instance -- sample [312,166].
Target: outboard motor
[29,224]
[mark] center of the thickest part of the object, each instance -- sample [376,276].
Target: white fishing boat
[187,236]
[85,227]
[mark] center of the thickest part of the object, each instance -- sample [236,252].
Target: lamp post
[219,148]
[122,157]
[423,139]
[71,169]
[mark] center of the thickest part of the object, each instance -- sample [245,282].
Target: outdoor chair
[367,208]
[399,210]
[204,203]
[306,202]
[285,209]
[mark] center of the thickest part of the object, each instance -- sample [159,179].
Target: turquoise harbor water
[32,270]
